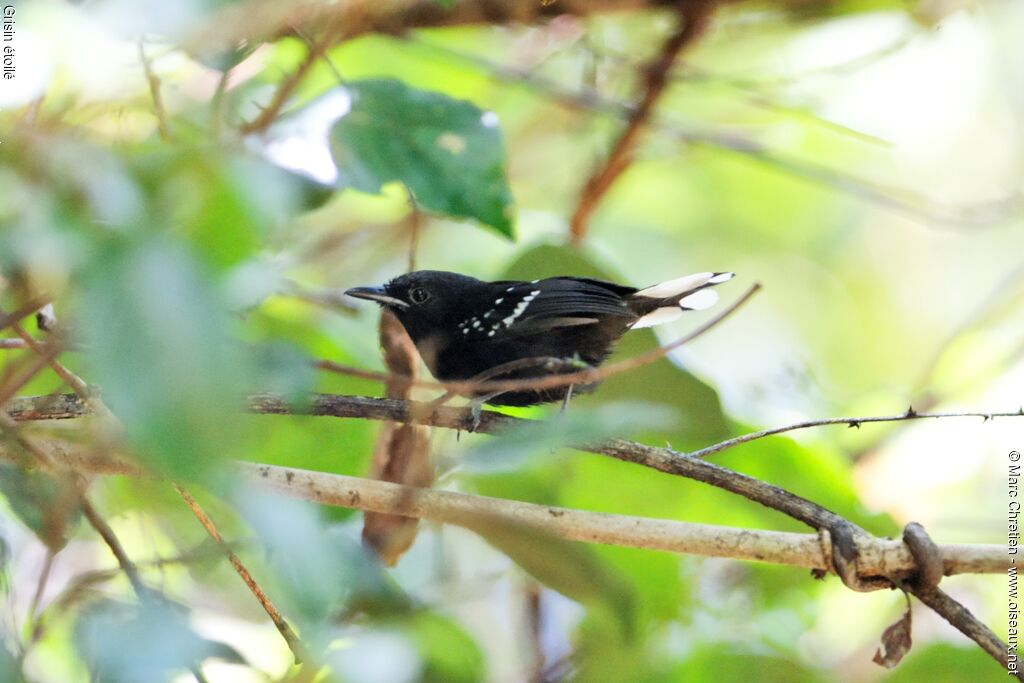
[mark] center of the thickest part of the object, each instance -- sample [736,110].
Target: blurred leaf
[726,663]
[573,427]
[10,672]
[46,504]
[128,643]
[573,569]
[317,570]
[448,152]
[156,336]
[944,663]
[448,653]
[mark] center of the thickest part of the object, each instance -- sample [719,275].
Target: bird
[465,328]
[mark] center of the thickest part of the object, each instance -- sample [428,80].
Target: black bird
[464,327]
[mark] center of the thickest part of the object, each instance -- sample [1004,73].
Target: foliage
[192,266]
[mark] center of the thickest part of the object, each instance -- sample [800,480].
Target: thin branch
[693,18]
[919,207]
[964,621]
[286,87]
[911,414]
[283,627]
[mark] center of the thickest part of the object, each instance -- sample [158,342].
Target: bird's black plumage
[464,327]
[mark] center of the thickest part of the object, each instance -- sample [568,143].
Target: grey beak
[378,294]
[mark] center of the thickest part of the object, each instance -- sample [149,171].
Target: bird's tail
[666,301]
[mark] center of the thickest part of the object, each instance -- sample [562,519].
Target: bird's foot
[476,406]
[565,401]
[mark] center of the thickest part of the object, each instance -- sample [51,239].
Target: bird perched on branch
[465,328]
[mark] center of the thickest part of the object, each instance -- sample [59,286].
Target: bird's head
[424,301]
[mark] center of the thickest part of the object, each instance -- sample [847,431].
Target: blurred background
[193,184]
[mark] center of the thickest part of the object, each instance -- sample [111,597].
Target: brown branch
[964,621]
[917,206]
[911,414]
[849,539]
[286,87]
[283,627]
[877,556]
[693,18]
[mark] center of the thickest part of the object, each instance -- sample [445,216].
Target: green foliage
[180,266]
[124,643]
[156,335]
[46,504]
[448,152]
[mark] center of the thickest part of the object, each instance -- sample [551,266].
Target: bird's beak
[378,294]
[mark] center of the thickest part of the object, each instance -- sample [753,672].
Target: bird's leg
[565,401]
[476,405]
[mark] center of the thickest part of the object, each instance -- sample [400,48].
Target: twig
[911,414]
[921,208]
[286,88]
[292,640]
[964,621]
[693,17]
[163,127]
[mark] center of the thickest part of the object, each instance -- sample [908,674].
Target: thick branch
[877,556]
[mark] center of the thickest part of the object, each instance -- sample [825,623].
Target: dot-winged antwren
[464,327]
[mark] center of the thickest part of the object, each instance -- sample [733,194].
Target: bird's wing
[533,307]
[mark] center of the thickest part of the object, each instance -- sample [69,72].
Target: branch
[911,414]
[877,556]
[283,627]
[693,18]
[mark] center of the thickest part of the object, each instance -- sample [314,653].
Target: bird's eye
[418,295]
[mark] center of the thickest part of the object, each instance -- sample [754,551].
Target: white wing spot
[476,323]
[510,288]
[498,301]
[491,333]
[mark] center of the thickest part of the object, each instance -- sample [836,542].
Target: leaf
[448,654]
[448,152]
[10,672]
[318,571]
[46,504]
[573,569]
[576,426]
[896,643]
[128,643]
[156,335]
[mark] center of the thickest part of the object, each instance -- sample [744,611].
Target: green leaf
[573,569]
[448,654]
[575,426]
[448,152]
[156,335]
[45,504]
[10,672]
[317,570]
[126,643]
